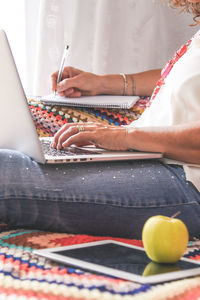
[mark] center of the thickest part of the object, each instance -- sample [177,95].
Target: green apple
[164,238]
[154,268]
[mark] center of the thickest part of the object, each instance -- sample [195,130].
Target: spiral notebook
[102,101]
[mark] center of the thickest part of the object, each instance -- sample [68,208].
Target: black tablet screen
[125,259]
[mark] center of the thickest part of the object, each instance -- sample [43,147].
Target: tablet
[120,260]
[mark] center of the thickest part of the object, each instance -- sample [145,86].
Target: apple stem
[175,215]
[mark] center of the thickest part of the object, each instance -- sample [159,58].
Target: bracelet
[125,83]
[133,82]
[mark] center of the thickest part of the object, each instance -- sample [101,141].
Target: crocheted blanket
[25,275]
[48,119]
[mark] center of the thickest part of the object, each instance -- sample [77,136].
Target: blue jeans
[104,198]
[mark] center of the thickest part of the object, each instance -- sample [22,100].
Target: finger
[68,92]
[82,144]
[95,125]
[74,131]
[85,138]
[67,72]
[60,132]
[70,72]
[53,80]
[62,94]
[67,84]
[74,94]
[63,129]
[89,126]
[71,131]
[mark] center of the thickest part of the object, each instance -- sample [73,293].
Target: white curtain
[105,36]
[32,37]
[12,21]
[19,19]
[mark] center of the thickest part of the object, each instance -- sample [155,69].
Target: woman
[117,198]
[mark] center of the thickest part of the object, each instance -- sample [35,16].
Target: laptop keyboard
[72,151]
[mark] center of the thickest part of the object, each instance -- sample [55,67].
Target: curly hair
[193,8]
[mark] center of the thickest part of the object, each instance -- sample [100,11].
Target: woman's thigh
[107,198]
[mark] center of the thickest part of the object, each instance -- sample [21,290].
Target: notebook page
[104,101]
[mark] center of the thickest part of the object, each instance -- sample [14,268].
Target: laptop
[17,129]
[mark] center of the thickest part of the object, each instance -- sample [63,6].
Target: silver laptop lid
[17,130]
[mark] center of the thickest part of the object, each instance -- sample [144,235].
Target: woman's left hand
[82,134]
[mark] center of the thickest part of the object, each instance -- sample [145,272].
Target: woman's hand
[82,134]
[76,83]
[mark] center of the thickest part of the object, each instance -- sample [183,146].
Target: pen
[62,65]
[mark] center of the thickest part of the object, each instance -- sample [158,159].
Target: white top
[178,101]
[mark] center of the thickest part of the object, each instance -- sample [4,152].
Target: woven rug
[24,275]
[48,119]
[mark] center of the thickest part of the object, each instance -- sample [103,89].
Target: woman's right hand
[76,83]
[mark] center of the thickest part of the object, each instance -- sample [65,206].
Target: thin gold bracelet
[125,83]
[133,82]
